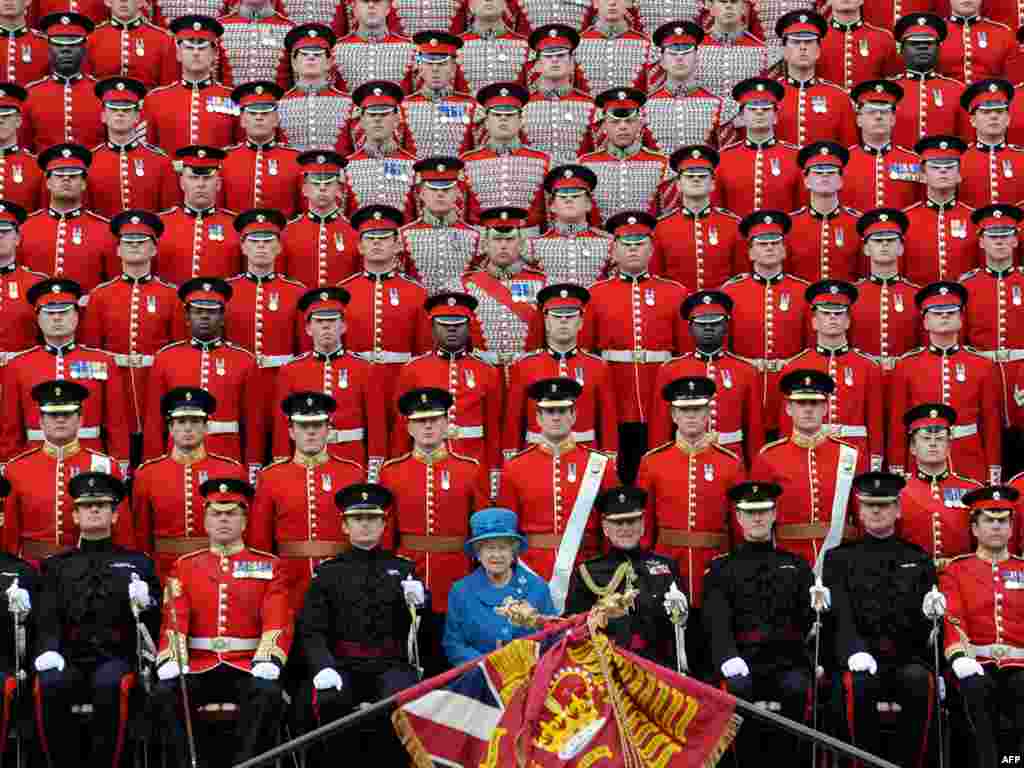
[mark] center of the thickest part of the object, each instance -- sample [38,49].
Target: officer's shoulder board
[667,215]
[975,351]
[463,457]
[737,279]
[852,211]
[773,444]
[475,354]
[659,448]
[798,211]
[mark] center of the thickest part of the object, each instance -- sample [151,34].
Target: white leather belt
[963,430]
[848,430]
[766,364]
[587,436]
[84,433]
[465,433]
[1002,355]
[999,651]
[636,355]
[383,356]
[134,361]
[730,438]
[273,361]
[345,435]
[221,427]
[224,644]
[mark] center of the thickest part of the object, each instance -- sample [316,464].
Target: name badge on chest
[253,569]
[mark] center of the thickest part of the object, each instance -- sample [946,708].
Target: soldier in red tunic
[166,504]
[932,504]
[823,244]
[227,623]
[23,49]
[199,238]
[18,327]
[551,486]
[977,47]
[984,634]
[336,255]
[561,306]
[129,45]
[808,465]
[856,49]
[21,180]
[294,514]
[855,411]
[735,413]
[944,372]
[358,424]
[990,169]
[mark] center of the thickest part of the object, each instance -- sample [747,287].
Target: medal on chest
[26,54]
[140,47]
[865,51]
[446,480]
[76,235]
[221,366]
[203,476]
[983,40]
[393,296]
[937,99]
[579,375]
[709,472]
[1015,294]
[961,372]
[151,304]
[571,472]
[17,174]
[958,228]
[839,237]
[848,376]
[339,241]
[140,167]
[819,105]
[776,166]
[1007,169]
[271,167]
[76,471]
[215,232]
[784,301]
[326,483]
[343,378]
[726,376]
[713,235]
[897,302]
[470,379]
[649,297]
[12,290]
[274,301]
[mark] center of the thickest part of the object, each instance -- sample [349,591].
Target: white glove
[168,670]
[327,678]
[138,592]
[862,662]
[735,667]
[266,671]
[821,596]
[934,605]
[49,660]
[964,666]
[413,591]
[18,600]
[675,601]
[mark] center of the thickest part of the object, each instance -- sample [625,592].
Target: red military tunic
[95,10]
[570,253]
[434,498]
[930,106]
[881,178]
[986,603]
[135,175]
[682,118]
[991,174]
[883,321]
[18,327]
[167,506]
[806,469]
[1008,12]
[358,59]
[440,127]
[294,514]
[815,110]
[262,176]
[975,49]
[263,317]
[628,180]
[933,517]
[186,113]
[335,257]
[133,319]
[137,49]
[769,324]
[636,325]
[21,179]
[358,426]
[596,408]
[197,243]
[104,414]
[560,124]
[824,246]
[237,428]
[752,176]
[885,13]
[379,180]
[24,54]
[968,383]
[736,416]
[514,178]
[231,607]
[253,49]
[993,321]
[541,485]
[855,412]
[853,53]
[941,243]
[61,110]
[38,517]
[688,510]
[76,245]
[701,249]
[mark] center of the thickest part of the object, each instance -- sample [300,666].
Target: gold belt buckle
[220,644]
[1002,356]
[135,360]
[638,355]
[887,362]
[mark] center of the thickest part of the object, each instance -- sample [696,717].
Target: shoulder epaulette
[168,211]
[350,278]
[966,478]
[95,215]
[161,281]
[835,439]
[603,281]
[414,358]
[865,355]
[164,87]
[586,353]
[188,555]
[973,351]
[403,276]
[169,346]
[153,148]
[154,460]
[276,463]
[772,444]
[798,211]
[798,279]
[95,349]
[659,448]
[528,355]
[736,279]
[668,280]
[302,356]
[962,557]
[40,212]
[396,459]
[37,82]
[725,212]
[667,214]
[233,146]
[918,204]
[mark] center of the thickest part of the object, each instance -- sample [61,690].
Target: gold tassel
[729,733]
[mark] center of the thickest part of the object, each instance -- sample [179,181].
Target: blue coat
[472,628]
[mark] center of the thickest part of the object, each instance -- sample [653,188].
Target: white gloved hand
[327,678]
[168,670]
[821,596]
[934,604]
[138,592]
[49,660]
[862,662]
[18,600]
[675,601]
[266,670]
[735,667]
[965,666]
[413,591]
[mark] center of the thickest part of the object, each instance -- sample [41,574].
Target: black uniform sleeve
[314,623]
[49,618]
[580,598]
[843,619]
[718,614]
[151,616]
[928,578]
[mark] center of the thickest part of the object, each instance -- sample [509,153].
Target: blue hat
[493,523]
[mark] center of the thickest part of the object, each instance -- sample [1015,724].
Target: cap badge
[311,33]
[223,487]
[378,215]
[803,18]
[933,413]
[678,30]
[879,88]
[834,290]
[622,498]
[196,26]
[706,299]
[921,20]
[56,391]
[321,159]
[201,153]
[433,41]
[207,286]
[554,387]
[993,88]
[943,290]
[883,217]
[691,385]
[377,92]
[767,219]
[807,380]
[309,401]
[631,220]
[120,86]
[65,20]
[760,86]
[622,95]
[423,397]
[553,33]
[564,294]
[451,301]
[996,496]
[323,296]
[997,214]
[365,496]
[695,154]
[567,173]
[65,153]
[136,219]
[258,90]
[753,489]
[92,482]
[260,218]
[823,151]
[943,145]
[55,288]
[441,167]
[503,92]
[188,395]
[878,483]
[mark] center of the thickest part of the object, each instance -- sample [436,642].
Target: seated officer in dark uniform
[878,585]
[356,617]
[757,614]
[86,627]
[646,629]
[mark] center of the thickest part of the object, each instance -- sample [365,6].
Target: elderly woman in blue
[472,628]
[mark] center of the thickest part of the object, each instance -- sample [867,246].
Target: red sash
[498,291]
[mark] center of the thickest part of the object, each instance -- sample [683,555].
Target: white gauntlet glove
[862,662]
[965,667]
[735,667]
[327,678]
[49,660]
